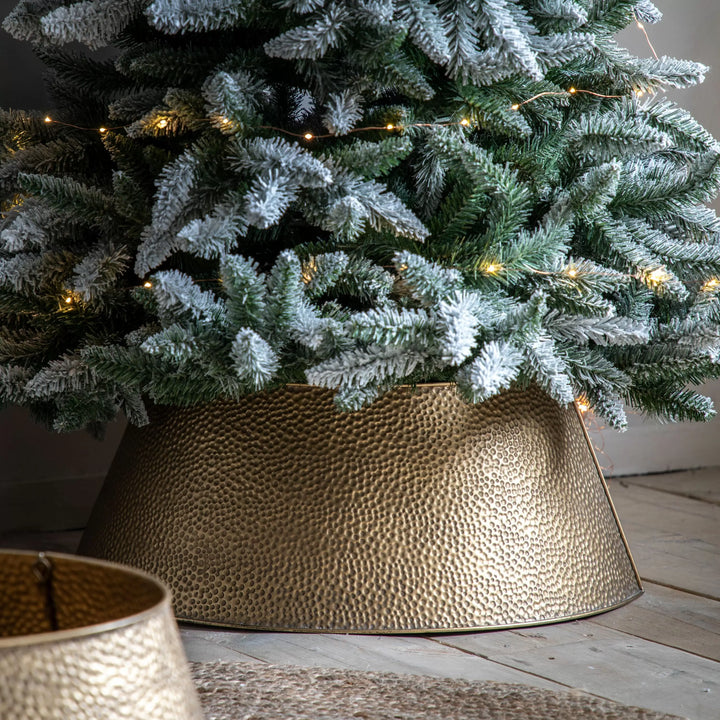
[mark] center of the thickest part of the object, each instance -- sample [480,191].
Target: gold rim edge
[421,631]
[87,630]
[606,489]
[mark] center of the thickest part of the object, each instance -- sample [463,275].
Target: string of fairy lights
[654,278]
[642,29]
[163,122]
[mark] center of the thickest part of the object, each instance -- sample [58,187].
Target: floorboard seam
[240,652]
[654,641]
[513,667]
[696,593]
[674,493]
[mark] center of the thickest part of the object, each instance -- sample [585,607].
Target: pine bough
[355,194]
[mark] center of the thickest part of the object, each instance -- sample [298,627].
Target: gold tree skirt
[419,513]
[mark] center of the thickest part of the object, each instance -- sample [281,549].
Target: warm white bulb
[308,136]
[48,119]
[657,277]
[162,123]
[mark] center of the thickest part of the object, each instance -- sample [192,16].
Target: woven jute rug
[248,691]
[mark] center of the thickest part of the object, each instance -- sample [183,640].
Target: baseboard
[48,505]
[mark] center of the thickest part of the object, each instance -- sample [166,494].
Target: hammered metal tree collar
[63,597]
[84,640]
[419,513]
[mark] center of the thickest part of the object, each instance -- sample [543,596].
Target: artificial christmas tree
[355,195]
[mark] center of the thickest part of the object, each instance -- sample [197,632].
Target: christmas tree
[355,194]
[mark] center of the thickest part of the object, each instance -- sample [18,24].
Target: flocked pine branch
[354,194]
[180,16]
[494,369]
[95,23]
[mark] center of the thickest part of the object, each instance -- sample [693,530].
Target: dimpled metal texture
[116,652]
[419,513]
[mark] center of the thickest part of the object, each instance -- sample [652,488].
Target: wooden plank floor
[661,651]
